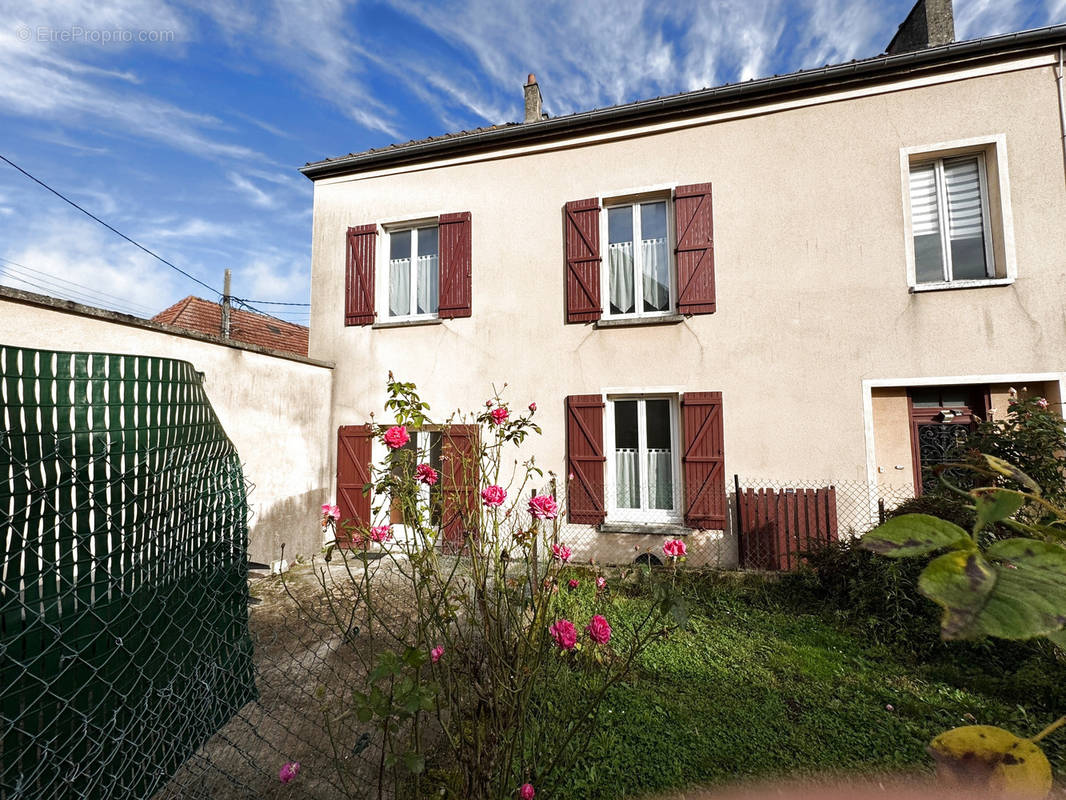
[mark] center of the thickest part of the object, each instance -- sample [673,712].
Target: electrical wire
[89,214]
[59,284]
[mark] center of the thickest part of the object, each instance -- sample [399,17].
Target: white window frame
[617,515]
[638,285]
[998,220]
[384,271]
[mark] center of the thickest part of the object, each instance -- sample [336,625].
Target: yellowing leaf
[1009,470]
[960,583]
[987,759]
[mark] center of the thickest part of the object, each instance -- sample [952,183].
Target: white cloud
[977,18]
[1056,11]
[251,192]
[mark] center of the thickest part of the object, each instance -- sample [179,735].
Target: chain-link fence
[123,603]
[767,524]
[775,521]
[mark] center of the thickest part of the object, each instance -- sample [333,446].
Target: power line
[61,284]
[109,227]
[275,303]
[68,294]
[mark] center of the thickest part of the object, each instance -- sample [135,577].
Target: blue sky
[185,130]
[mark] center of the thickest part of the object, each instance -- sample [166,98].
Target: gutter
[697,102]
[1062,107]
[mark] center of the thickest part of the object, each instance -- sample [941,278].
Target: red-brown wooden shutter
[359,275]
[454,265]
[585,459]
[460,467]
[353,473]
[582,230]
[703,460]
[695,249]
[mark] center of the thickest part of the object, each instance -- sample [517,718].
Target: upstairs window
[950,220]
[414,272]
[640,269]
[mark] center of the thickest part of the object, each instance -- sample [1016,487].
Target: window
[949,214]
[958,216]
[642,459]
[423,447]
[414,272]
[639,269]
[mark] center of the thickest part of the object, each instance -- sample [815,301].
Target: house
[818,276]
[204,316]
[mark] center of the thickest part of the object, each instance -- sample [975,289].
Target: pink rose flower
[543,506]
[396,437]
[331,511]
[499,415]
[526,792]
[601,582]
[598,630]
[532,408]
[436,653]
[572,583]
[1040,401]
[564,633]
[426,474]
[382,533]
[493,496]
[561,552]
[289,771]
[674,548]
[889,707]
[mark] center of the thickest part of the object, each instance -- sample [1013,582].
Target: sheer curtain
[627,477]
[620,263]
[660,479]
[399,287]
[428,284]
[656,266]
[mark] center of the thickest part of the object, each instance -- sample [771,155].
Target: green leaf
[1022,597]
[415,657]
[1058,638]
[415,762]
[996,505]
[914,534]
[1009,470]
[960,583]
[361,743]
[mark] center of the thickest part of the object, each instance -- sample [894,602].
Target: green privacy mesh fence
[124,640]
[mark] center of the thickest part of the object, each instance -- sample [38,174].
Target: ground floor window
[424,447]
[643,459]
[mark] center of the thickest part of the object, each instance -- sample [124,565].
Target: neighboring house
[203,316]
[822,275]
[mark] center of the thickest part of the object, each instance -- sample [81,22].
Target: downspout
[1062,108]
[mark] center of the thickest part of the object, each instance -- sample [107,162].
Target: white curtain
[399,287]
[656,266]
[620,263]
[627,478]
[428,284]
[660,479]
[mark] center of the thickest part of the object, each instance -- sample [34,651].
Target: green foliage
[1031,439]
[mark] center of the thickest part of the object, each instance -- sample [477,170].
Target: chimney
[930,23]
[534,110]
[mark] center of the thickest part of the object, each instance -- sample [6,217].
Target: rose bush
[470,634]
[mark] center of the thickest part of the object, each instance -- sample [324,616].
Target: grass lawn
[756,686]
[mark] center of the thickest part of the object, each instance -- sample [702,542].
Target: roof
[804,82]
[204,316]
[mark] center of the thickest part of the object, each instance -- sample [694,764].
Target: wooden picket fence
[777,525]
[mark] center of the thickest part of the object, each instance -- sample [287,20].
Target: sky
[182,125]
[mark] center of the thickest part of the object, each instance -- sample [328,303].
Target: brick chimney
[930,23]
[534,104]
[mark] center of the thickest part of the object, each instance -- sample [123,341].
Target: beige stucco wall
[892,438]
[275,411]
[810,265]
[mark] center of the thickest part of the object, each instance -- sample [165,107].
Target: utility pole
[225,306]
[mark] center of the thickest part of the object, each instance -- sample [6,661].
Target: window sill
[942,286]
[628,322]
[646,528]
[408,323]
